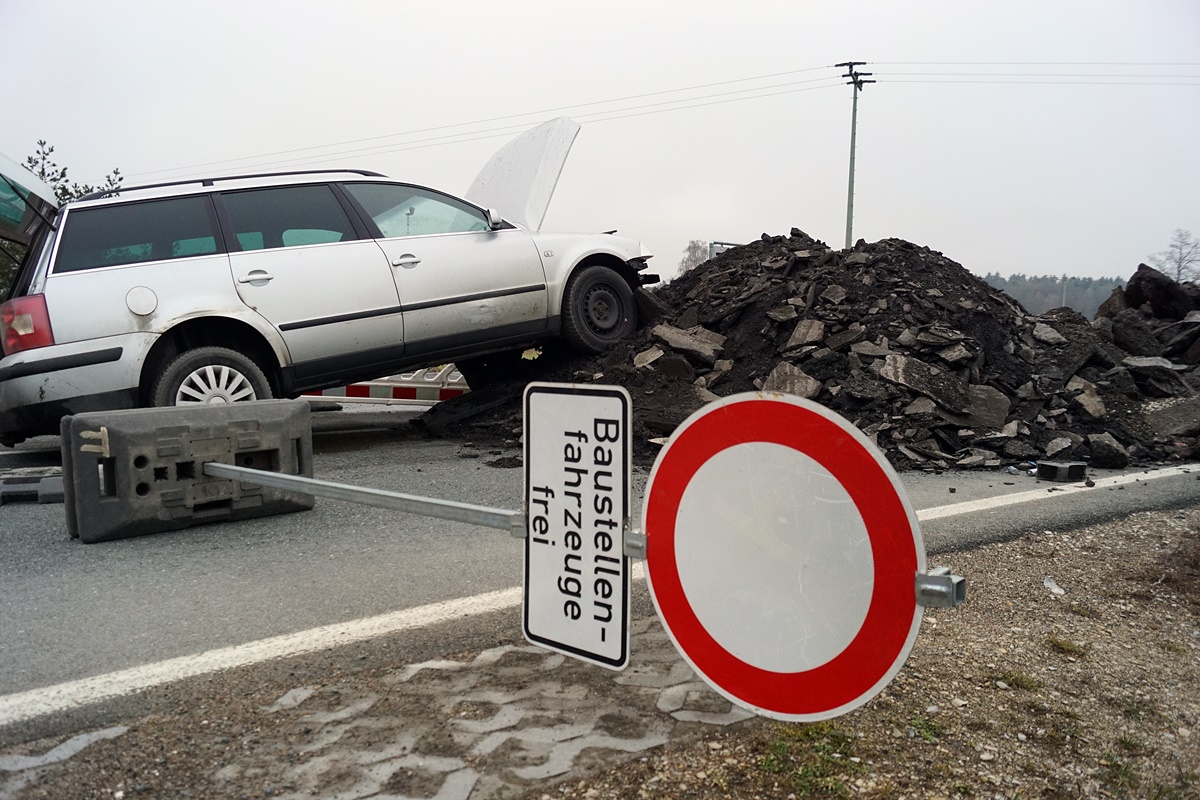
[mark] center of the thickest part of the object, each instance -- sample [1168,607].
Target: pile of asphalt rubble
[938,368]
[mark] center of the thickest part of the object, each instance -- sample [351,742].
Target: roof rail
[211,181]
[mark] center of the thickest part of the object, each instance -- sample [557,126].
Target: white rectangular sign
[577,503]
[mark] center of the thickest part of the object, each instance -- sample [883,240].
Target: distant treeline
[1040,293]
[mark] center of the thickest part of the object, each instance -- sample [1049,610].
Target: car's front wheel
[598,309]
[210,375]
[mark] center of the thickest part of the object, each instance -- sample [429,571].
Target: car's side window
[109,236]
[412,211]
[287,216]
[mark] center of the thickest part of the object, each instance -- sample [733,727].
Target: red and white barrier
[423,387]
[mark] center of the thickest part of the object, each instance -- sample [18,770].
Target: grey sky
[1079,176]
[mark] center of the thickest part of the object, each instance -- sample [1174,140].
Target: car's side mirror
[494,222]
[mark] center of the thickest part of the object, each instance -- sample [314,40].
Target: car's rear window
[156,230]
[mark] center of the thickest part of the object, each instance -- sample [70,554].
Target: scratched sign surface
[577,496]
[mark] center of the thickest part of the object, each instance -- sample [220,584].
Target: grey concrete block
[141,471]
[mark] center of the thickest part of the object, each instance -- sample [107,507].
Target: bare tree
[42,165]
[695,254]
[1181,259]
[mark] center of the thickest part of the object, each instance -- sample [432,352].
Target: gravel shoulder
[1073,670]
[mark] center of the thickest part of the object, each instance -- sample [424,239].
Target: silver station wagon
[242,288]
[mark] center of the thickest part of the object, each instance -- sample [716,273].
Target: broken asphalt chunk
[944,388]
[790,379]
[687,344]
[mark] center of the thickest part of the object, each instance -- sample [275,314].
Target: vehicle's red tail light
[25,324]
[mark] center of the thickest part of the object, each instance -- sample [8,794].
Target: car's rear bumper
[38,387]
[20,423]
[70,361]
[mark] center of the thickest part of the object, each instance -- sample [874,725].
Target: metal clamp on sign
[937,588]
[635,543]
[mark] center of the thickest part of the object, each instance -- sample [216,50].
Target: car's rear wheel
[598,309]
[210,375]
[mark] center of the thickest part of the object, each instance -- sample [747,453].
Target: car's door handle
[406,260]
[256,277]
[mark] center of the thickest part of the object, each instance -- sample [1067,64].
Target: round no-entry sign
[781,554]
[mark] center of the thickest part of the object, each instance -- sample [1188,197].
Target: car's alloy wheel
[210,375]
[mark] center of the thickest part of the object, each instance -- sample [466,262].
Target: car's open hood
[26,202]
[520,178]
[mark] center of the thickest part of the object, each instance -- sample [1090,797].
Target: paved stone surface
[61,753]
[510,718]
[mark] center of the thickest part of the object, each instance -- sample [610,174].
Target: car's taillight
[25,324]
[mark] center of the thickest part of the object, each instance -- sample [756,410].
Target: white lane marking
[972,506]
[50,699]
[74,694]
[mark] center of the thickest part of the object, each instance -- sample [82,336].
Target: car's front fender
[564,253]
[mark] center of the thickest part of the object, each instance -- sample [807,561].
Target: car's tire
[210,375]
[598,309]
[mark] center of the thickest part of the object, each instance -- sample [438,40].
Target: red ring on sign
[883,635]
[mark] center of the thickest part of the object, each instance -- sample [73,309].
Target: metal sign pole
[501,519]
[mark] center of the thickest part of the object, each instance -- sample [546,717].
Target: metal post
[850,190]
[856,80]
[501,519]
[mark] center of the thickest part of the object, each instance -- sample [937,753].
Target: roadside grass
[813,760]
[1136,708]
[1117,776]
[1062,729]
[927,729]
[1130,745]
[1067,647]
[1017,680]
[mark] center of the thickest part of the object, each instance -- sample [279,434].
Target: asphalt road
[69,610]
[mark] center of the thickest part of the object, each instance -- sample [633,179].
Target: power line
[507,130]
[491,119]
[470,137]
[719,102]
[1037,75]
[1043,63]
[884,79]
[683,104]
